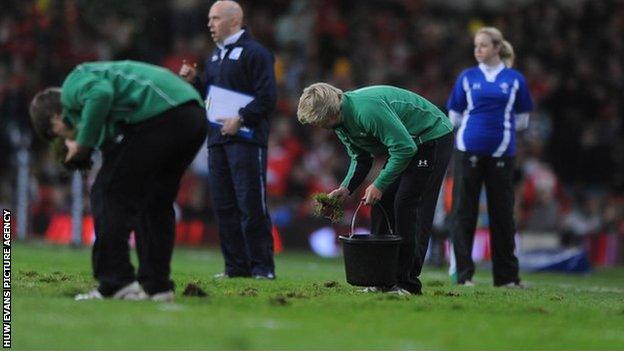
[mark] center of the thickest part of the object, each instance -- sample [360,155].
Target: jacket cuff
[247,118]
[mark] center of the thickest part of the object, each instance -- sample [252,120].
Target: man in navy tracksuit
[237,147]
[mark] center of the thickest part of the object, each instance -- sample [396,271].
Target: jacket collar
[234,39]
[490,72]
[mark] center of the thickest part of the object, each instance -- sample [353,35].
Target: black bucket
[370,259]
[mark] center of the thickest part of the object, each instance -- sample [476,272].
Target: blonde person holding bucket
[416,139]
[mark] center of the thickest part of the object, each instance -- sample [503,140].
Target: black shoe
[413,288]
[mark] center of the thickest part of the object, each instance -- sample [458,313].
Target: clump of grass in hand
[59,150]
[328,207]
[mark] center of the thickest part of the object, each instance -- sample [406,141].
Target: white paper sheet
[224,103]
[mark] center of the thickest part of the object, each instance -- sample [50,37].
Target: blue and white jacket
[243,65]
[488,104]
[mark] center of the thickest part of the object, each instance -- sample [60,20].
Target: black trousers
[135,190]
[471,172]
[410,202]
[237,176]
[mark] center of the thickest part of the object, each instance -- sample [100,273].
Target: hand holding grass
[341,193]
[76,159]
[329,206]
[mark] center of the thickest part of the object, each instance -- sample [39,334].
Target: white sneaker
[132,291]
[269,276]
[398,291]
[391,290]
[468,283]
[165,296]
[91,295]
[514,285]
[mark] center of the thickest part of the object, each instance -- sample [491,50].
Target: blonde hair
[318,102]
[506,50]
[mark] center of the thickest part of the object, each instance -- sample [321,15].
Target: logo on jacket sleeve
[422,164]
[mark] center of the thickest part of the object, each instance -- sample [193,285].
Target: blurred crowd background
[570,169]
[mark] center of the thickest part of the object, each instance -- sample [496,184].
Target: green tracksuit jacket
[385,120]
[97,96]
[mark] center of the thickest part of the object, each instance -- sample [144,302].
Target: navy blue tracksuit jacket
[237,164]
[247,67]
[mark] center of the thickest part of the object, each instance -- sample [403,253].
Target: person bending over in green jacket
[149,124]
[417,139]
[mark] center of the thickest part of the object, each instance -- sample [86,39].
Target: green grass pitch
[309,306]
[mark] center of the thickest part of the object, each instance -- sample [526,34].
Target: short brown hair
[42,107]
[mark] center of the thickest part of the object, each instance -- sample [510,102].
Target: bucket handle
[356,211]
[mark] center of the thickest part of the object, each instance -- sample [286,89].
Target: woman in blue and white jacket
[488,104]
